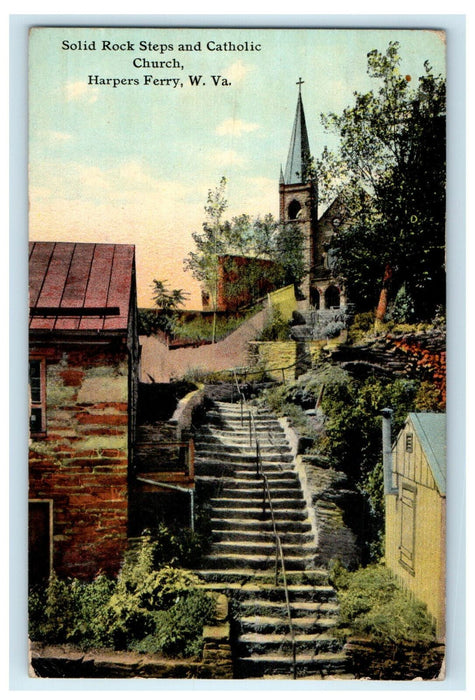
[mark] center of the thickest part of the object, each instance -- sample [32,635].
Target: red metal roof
[80,286]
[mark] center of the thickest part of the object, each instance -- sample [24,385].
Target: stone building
[84,362]
[298,198]
[415,499]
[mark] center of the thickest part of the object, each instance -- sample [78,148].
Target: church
[320,289]
[298,200]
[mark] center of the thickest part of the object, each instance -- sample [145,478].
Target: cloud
[238,71]
[235,127]
[80,90]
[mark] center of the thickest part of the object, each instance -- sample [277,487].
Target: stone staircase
[242,560]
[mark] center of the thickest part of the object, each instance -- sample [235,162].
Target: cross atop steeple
[300,82]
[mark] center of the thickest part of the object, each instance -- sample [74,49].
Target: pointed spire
[299,151]
[281,178]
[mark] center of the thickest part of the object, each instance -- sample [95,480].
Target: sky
[134,163]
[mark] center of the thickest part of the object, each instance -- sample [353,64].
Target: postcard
[237,353]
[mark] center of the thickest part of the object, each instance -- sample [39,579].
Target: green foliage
[276,328]
[178,630]
[353,427]
[402,309]
[144,609]
[427,398]
[261,237]
[392,159]
[372,603]
[201,327]
[361,327]
[164,317]
[350,434]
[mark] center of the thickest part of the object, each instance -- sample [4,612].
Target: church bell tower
[298,193]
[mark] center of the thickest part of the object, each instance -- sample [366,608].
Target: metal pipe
[387,452]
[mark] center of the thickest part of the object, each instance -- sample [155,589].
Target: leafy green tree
[165,316]
[392,161]
[254,238]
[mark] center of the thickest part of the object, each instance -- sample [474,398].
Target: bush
[145,609]
[276,328]
[373,604]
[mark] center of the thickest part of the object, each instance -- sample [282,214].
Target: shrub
[145,609]
[178,629]
[276,328]
[373,604]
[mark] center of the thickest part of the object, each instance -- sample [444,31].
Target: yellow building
[415,485]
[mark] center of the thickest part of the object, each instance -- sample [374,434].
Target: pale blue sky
[134,163]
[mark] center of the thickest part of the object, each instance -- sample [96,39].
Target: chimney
[387,452]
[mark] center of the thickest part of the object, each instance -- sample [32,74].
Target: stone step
[289,504]
[229,422]
[290,482]
[325,611]
[267,624]
[275,664]
[255,547]
[236,409]
[271,473]
[233,468]
[255,524]
[298,592]
[236,560]
[256,490]
[242,457]
[252,643]
[259,536]
[241,447]
[248,513]
[258,589]
[240,577]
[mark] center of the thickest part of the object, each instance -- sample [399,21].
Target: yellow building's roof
[430,429]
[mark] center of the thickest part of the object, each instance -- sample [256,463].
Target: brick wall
[81,464]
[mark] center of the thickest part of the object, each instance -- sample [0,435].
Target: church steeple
[299,151]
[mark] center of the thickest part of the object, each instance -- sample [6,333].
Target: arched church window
[332,297]
[315,298]
[294,210]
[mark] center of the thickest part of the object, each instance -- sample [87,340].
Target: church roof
[299,151]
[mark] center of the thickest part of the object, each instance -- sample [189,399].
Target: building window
[294,210]
[37,396]
[408,527]
[409,442]
[332,297]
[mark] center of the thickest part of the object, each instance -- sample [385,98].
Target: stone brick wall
[69,662]
[217,656]
[273,355]
[81,464]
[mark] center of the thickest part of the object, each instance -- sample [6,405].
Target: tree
[165,299]
[260,238]
[392,160]
[165,316]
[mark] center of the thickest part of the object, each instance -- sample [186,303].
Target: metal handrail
[279,552]
[248,370]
